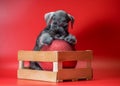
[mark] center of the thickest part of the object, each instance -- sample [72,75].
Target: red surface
[59,45]
[97,27]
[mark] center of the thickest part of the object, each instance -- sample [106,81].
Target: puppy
[57,28]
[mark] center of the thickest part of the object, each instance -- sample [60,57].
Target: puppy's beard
[54,27]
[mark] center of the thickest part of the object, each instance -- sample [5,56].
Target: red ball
[58,45]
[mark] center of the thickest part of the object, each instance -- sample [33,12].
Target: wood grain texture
[74,74]
[53,56]
[58,74]
[21,64]
[44,56]
[55,66]
[37,75]
[75,55]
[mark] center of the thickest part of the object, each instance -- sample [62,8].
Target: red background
[97,28]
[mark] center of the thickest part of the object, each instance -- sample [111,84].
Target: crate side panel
[44,56]
[74,55]
[65,74]
[37,75]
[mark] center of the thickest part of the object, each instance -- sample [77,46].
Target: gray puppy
[57,28]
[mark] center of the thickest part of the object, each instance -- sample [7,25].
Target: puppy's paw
[46,39]
[71,39]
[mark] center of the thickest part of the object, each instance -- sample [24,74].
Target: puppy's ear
[48,17]
[71,19]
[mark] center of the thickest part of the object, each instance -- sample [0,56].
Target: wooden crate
[58,74]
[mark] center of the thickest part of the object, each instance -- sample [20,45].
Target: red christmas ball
[58,45]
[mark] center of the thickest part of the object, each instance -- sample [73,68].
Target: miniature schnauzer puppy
[57,28]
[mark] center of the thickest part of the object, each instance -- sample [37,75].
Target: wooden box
[58,74]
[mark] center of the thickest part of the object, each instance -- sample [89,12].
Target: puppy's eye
[54,18]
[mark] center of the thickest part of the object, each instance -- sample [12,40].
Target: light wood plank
[44,56]
[21,64]
[65,74]
[37,75]
[75,55]
[55,66]
[53,56]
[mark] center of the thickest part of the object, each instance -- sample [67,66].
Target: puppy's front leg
[71,39]
[43,39]
[35,65]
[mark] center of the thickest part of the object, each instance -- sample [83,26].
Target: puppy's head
[59,18]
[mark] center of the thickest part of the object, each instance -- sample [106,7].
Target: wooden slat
[37,75]
[89,64]
[53,56]
[65,74]
[55,66]
[21,64]
[75,55]
[44,56]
